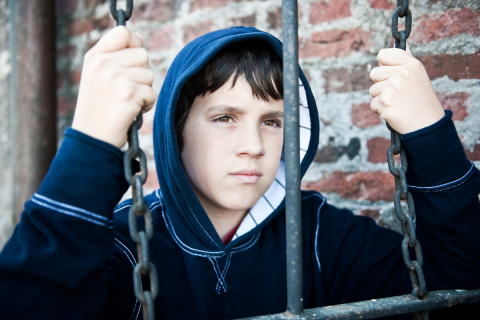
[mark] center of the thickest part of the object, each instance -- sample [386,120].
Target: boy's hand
[116,86]
[402,92]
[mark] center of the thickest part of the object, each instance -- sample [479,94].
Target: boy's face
[232,147]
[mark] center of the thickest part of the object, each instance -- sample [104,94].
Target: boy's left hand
[402,92]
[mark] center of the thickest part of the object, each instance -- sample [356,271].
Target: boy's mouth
[247,175]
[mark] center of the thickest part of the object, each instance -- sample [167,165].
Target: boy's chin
[241,203]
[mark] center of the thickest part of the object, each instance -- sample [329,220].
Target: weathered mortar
[337,57]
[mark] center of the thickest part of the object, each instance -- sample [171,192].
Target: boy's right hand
[116,85]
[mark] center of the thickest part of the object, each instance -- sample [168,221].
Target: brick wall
[339,40]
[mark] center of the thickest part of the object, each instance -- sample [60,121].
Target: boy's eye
[271,123]
[224,119]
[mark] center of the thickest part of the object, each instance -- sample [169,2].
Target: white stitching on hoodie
[67,206]
[428,189]
[133,265]
[69,213]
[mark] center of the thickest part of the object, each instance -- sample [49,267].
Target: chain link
[408,218]
[144,266]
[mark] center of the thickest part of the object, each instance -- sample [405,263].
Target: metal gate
[418,302]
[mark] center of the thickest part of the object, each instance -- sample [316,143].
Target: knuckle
[126,90]
[97,61]
[397,84]
[384,99]
[404,73]
[150,77]
[143,54]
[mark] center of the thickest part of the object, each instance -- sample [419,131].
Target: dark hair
[255,60]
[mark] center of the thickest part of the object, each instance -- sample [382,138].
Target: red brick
[192,32]
[152,180]
[331,152]
[328,153]
[65,106]
[372,185]
[91,4]
[248,21]
[473,155]
[371,213]
[75,77]
[62,78]
[456,103]
[201,4]
[322,11]
[158,11]
[336,43]
[382,4]
[103,23]
[348,79]
[274,18]
[65,7]
[161,39]
[66,51]
[455,66]
[431,27]
[80,26]
[377,149]
[307,75]
[363,116]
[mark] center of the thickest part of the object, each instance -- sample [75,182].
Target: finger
[376,106]
[383,73]
[130,57]
[146,96]
[392,57]
[116,39]
[139,75]
[377,88]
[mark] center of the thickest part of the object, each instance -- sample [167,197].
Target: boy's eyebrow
[274,114]
[233,109]
[224,108]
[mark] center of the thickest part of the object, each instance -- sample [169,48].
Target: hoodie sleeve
[60,261]
[364,261]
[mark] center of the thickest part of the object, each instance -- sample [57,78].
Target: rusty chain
[408,218]
[139,208]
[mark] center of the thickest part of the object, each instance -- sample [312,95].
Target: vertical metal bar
[292,157]
[34,82]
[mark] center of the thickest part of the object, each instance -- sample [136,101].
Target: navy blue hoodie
[71,257]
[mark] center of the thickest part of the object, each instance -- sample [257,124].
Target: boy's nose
[250,144]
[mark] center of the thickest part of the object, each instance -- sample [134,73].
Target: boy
[219,239]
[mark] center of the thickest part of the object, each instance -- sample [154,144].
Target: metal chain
[408,219]
[139,208]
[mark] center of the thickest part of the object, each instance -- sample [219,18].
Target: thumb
[407,50]
[118,38]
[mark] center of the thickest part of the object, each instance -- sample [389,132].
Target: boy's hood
[184,215]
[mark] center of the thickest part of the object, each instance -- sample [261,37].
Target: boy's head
[229,126]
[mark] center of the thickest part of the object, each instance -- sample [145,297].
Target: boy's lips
[247,175]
